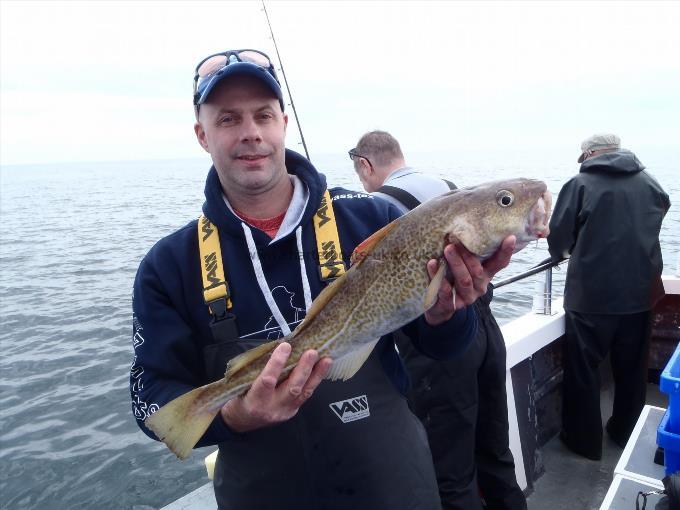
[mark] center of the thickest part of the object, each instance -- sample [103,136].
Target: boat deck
[571,481]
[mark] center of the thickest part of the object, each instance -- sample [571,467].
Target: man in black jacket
[607,218]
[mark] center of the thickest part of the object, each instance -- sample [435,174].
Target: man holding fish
[288,438]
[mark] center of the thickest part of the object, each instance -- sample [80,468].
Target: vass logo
[351,409]
[331,259]
[206,228]
[322,213]
[211,268]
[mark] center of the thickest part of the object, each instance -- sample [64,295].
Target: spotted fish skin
[386,289]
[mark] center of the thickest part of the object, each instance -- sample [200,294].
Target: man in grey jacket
[462,403]
[607,220]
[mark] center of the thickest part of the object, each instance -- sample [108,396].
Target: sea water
[71,239]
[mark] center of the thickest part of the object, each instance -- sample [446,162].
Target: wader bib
[354,444]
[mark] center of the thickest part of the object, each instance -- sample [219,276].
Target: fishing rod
[541,266]
[285,80]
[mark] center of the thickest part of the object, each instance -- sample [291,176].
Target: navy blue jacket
[171,321]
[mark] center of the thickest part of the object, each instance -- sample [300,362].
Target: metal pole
[547,292]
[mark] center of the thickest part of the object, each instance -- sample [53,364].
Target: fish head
[482,216]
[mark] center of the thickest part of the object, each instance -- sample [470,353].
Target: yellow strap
[214,283]
[331,265]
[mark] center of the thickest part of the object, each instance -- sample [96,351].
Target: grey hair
[380,147]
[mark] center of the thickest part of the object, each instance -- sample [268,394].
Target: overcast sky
[95,81]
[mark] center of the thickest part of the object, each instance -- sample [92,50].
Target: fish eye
[505,198]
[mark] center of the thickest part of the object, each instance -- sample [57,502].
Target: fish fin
[243,360]
[321,300]
[433,287]
[180,423]
[367,245]
[348,365]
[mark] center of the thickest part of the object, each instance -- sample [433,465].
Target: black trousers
[589,337]
[462,404]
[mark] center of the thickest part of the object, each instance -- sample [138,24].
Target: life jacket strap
[404,197]
[215,289]
[331,265]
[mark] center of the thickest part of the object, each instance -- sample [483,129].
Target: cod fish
[386,288]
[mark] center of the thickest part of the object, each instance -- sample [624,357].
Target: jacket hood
[618,161]
[219,213]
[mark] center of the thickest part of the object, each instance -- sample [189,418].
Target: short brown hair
[380,147]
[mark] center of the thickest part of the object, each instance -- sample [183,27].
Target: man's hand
[267,402]
[467,275]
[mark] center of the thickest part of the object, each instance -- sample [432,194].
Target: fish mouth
[539,216]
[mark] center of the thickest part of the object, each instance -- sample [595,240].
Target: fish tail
[182,422]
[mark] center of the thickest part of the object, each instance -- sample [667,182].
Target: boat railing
[542,302]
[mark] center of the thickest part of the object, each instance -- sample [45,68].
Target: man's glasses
[212,65]
[353,154]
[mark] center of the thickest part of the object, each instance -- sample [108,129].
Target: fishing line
[285,80]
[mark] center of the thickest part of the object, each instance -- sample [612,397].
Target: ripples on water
[71,239]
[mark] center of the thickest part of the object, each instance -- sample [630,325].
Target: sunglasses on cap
[212,66]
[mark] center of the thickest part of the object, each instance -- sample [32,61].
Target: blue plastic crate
[670,384]
[670,443]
